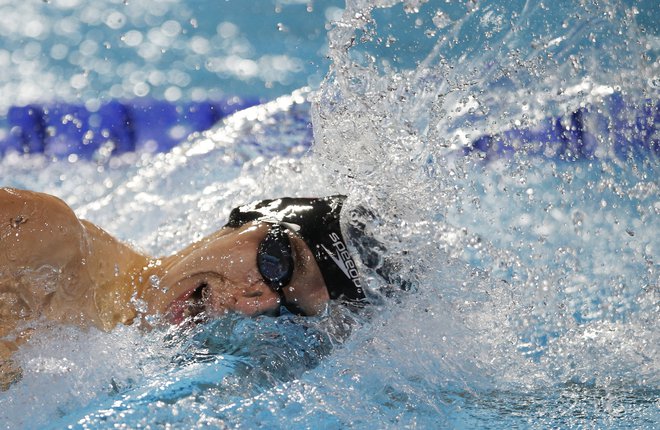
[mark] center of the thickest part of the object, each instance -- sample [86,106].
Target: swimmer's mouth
[190,306]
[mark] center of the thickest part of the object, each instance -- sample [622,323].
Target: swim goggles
[275,258]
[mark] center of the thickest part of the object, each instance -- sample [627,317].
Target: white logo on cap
[345,261]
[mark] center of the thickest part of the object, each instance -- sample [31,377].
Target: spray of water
[532,270]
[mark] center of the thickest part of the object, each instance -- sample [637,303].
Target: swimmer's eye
[275,258]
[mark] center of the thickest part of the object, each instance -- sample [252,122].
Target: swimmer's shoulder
[10,198]
[41,214]
[22,203]
[36,229]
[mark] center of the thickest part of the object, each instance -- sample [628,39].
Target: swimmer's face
[220,274]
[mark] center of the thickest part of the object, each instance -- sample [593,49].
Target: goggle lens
[275,258]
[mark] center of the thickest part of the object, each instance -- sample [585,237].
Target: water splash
[531,259]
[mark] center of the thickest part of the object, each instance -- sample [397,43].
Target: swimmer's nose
[274,312]
[260,300]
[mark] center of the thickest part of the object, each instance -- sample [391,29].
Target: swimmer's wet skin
[284,252]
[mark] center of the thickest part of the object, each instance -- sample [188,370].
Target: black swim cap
[316,221]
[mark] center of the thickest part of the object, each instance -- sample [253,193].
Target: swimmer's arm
[34,231]
[40,233]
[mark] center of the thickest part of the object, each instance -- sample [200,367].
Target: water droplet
[139,304]
[441,20]
[578,221]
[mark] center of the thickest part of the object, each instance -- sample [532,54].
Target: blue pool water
[510,149]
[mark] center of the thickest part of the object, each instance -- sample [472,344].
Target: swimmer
[53,266]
